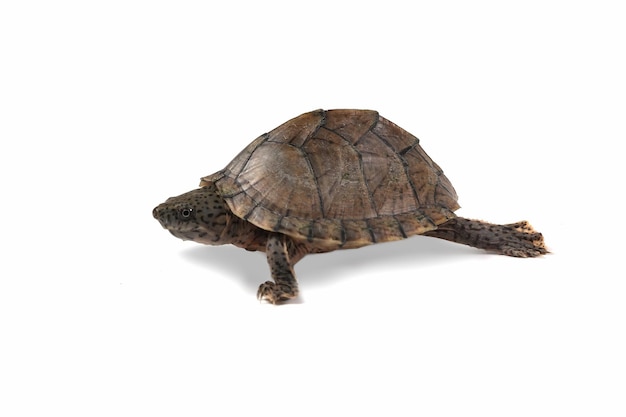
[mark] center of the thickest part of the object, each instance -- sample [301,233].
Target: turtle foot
[529,244]
[275,293]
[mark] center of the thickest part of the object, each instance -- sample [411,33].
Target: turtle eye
[185,213]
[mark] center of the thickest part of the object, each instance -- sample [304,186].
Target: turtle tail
[516,239]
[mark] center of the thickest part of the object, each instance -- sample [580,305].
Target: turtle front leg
[285,286]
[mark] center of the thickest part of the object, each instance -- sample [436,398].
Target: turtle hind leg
[516,239]
[284,287]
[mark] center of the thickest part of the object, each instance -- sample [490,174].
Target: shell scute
[299,129]
[281,170]
[353,124]
[338,173]
[397,138]
[386,177]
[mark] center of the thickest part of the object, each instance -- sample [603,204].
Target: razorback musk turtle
[328,180]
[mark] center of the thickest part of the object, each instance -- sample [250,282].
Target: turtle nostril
[155,213]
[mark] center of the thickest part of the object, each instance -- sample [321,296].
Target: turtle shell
[337,179]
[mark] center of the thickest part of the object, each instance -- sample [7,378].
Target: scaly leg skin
[515,239]
[285,286]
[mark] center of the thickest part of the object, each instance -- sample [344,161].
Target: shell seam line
[370,195]
[243,166]
[405,165]
[316,178]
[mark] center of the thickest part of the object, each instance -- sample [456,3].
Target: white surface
[108,108]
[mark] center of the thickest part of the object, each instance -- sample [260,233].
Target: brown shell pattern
[337,178]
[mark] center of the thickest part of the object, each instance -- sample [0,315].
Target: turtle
[329,180]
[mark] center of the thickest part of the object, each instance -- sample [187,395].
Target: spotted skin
[517,239]
[328,180]
[284,287]
[202,216]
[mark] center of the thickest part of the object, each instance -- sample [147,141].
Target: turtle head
[199,215]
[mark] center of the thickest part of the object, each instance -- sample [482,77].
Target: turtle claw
[275,293]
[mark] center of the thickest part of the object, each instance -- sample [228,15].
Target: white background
[108,108]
